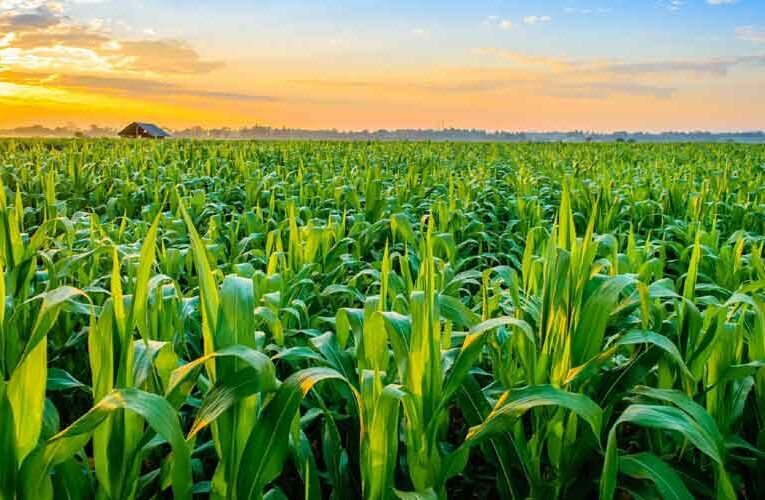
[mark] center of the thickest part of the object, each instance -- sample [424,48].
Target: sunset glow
[562,64]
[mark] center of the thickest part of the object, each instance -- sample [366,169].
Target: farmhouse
[138,130]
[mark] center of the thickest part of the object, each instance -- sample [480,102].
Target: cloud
[536,19]
[23,5]
[496,22]
[131,87]
[39,36]
[29,15]
[453,85]
[502,83]
[672,5]
[53,5]
[717,67]
[721,2]
[602,90]
[76,36]
[576,10]
[466,86]
[713,67]
[41,17]
[6,40]
[166,56]
[58,58]
[750,34]
[594,79]
[552,63]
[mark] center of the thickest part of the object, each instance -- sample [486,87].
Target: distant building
[138,130]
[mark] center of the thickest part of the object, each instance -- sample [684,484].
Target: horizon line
[76,128]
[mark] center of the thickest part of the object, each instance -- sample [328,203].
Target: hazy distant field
[345,320]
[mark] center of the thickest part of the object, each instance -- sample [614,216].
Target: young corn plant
[381,320]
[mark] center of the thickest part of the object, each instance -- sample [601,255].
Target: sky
[540,65]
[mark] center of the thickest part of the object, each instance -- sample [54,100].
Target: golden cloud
[39,36]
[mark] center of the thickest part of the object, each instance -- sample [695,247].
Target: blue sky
[638,28]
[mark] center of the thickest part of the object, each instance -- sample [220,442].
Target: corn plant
[245,320]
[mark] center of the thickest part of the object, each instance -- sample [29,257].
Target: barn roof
[150,129]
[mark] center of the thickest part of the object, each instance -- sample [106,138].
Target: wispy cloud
[522,59]
[123,86]
[672,5]
[6,40]
[545,85]
[587,11]
[750,34]
[552,87]
[718,67]
[601,79]
[721,2]
[497,22]
[537,19]
[715,67]
[166,56]
[603,90]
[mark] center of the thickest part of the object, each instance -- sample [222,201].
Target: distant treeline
[449,134]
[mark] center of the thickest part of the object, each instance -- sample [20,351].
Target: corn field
[381,320]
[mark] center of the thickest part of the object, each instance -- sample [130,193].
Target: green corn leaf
[682,401]
[305,462]
[270,318]
[52,303]
[453,309]
[208,289]
[146,352]
[471,349]
[237,305]
[228,392]
[649,467]
[381,448]
[154,409]
[9,463]
[515,403]
[673,419]
[141,294]
[415,495]
[61,380]
[118,301]
[692,422]
[738,372]
[660,341]
[475,407]
[268,446]
[183,379]
[596,313]
[26,394]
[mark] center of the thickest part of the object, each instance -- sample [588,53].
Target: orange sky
[94,61]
